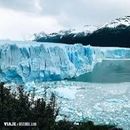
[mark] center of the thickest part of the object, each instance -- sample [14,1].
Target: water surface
[108,71]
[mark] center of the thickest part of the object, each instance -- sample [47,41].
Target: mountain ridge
[115,33]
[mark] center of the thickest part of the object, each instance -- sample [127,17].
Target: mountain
[69,36]
[114,34]
[124,21]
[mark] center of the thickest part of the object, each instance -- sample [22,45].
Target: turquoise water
[108,71]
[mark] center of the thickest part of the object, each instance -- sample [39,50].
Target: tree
[19,107]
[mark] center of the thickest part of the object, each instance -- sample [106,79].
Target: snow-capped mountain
[125,21]
[74,32]
[84,30]
[115,33]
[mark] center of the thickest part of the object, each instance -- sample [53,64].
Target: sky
[20,19]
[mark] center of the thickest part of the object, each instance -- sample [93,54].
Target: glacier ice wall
[31,61]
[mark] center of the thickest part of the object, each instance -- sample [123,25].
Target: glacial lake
[108,71]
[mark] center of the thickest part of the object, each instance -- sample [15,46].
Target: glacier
[35,64]
[27,61]
[31,61]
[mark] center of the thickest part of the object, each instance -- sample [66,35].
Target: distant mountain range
[114,34]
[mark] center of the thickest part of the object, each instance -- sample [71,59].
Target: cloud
[33,15]
[72,12]
[20,5]
[17,25]
[85,11]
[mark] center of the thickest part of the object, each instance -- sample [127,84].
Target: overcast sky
[19,19]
